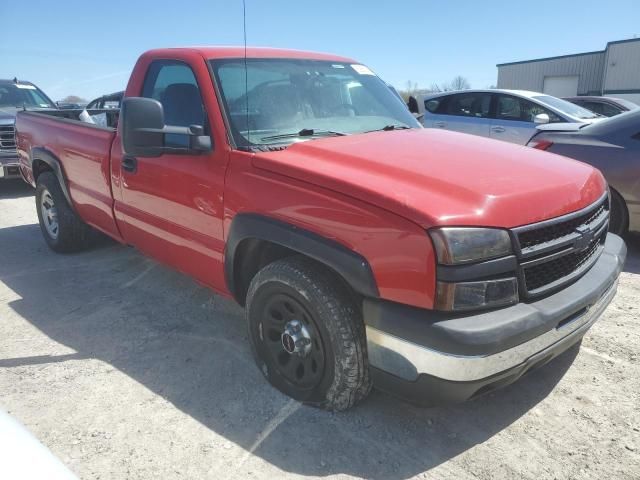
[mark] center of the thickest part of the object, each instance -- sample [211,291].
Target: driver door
[171,206]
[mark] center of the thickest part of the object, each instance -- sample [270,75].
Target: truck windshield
[281,101]
[23,94]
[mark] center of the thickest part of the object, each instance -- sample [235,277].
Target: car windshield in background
[619,123]
[628,104]
[566,107]
[23,94]
[282,101]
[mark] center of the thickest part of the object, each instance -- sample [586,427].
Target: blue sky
[87,48]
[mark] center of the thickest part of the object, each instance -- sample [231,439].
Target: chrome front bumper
[9,167]
[410,360]
[478,347]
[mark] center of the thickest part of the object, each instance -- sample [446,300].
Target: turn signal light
[472,295]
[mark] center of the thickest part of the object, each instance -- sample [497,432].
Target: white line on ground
[139,276]
[285,412]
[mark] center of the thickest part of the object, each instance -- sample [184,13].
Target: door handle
[497,129]
[439,124]
[130,164]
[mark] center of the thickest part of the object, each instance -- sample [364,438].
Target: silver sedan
[509,115]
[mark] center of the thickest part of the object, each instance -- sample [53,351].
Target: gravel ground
[127,369]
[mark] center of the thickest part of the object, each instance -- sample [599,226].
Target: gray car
[16,95]
[605,106]
[509,115]
[613,146]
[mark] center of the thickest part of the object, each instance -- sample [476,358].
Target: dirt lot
[126,369]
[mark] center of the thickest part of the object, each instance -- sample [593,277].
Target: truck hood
[435,177]
[8,115]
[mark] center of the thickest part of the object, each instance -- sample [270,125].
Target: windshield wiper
[388,128]
[305,132]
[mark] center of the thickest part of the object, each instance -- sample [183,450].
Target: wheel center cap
[288,343]
[296,339]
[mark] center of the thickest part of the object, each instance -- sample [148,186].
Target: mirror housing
[143,130]
[142,121]
[541,118]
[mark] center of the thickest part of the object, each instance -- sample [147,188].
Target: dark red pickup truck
[367,250]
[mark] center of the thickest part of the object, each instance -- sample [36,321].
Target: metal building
[614,71]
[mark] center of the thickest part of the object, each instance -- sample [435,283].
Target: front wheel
[307,334]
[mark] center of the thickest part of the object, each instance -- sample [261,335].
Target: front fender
[352,266]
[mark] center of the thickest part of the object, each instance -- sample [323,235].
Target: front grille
[7,137]
[546,273]
[558,230]
[558,251]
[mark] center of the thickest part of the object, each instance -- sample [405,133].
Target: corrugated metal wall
[623,67]
[530,75]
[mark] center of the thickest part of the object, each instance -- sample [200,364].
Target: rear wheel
[63,230]
[619,219]
[307,334]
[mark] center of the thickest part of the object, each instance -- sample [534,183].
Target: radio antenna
[246,79]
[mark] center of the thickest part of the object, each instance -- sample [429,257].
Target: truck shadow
[15,188]
[190,347]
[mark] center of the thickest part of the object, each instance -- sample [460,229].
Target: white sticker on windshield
[26,87]
[337,65]
[362,70]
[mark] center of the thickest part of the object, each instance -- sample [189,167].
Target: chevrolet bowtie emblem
[585,238]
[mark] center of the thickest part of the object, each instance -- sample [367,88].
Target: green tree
[73,99]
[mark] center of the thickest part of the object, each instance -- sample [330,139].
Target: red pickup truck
[367,250]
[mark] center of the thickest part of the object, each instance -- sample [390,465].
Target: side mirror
[144,132]
[541,118]
[412,105]
[142,122]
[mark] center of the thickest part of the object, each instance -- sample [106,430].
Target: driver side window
[174,85]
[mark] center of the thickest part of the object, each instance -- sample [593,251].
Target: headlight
[464,245]
[456,247]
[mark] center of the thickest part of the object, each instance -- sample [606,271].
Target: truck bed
[83,152]
[73,115]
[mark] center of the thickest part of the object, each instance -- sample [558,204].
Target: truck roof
[213,52]
[12,81]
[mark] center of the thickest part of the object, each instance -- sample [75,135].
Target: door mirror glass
[541,118]
[144,133]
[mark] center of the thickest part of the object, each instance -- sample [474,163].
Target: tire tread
[342,318]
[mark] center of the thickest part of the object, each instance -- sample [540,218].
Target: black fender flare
[44,155]
[352,266]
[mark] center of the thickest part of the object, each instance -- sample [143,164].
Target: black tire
[72,233]
[619,219]
[333,322]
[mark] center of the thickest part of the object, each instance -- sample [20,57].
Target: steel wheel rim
[49,214]
[302,371]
